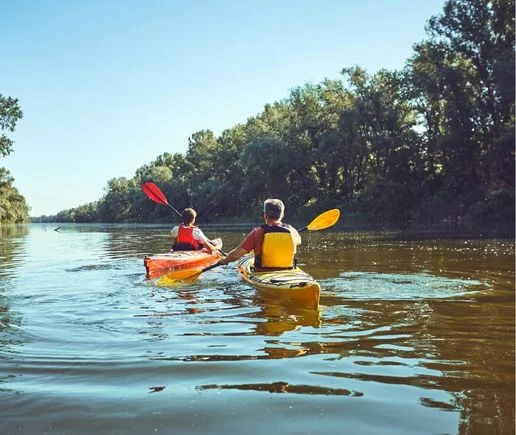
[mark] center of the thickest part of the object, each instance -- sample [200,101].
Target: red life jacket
[185,240]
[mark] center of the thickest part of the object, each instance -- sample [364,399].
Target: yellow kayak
[293,285]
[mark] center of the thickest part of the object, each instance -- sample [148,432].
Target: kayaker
[188,237]
[274,243]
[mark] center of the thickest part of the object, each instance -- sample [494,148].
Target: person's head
[273,209]
[188,216]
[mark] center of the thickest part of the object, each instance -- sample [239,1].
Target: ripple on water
[393,286]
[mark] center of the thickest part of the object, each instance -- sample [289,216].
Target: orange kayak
[158,264]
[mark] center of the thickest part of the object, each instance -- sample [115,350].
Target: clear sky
[106,86]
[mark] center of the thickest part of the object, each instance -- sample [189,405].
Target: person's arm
[233,255]
[201,238]
[245,247]
[210,247]
[296,236]
[174,232]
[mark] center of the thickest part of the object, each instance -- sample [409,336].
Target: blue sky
[106,86]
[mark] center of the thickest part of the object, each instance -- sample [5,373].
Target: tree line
[432,141]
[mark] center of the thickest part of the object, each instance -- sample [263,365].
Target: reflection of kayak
[278,320]
[158,264]
[292,285]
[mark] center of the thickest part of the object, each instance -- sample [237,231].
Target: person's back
[274,244]
[278,248]
[188,237]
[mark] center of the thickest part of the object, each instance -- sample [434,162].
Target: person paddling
[274,243]
[188,237]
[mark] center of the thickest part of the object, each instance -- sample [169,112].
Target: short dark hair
[273,208]
[188,216]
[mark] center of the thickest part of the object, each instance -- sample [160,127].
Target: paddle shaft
[213,266]
[179,214]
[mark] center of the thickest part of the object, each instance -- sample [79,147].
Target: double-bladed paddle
[155,194]
[321,222]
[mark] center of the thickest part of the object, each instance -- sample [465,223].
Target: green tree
[470,57]
[229,173]
[116,204]
[13,208]
[462,82]
[10,114]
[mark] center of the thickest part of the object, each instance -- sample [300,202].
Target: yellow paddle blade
[178,275]
[324,220]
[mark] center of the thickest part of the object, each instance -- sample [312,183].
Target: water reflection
[285,387]
[13,231]
[11,247]
[12,242]
[208,312]
[418,333]
[276,319]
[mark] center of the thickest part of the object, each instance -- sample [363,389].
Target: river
[414,335]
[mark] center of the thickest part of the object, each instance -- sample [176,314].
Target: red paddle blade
[153,192]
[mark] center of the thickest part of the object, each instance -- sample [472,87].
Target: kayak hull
[158,264]
[293,285]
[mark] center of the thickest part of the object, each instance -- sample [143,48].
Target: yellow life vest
[278,248]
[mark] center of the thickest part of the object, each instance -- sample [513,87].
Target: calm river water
[415,335]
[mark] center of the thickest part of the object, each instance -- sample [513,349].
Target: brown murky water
[415,335]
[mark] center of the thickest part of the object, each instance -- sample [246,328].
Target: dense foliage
[433,141]
[13,208]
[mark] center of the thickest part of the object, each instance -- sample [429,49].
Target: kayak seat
[185,247]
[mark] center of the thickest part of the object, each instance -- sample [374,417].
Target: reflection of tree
[462,348]
[8,246]
[8,251]
[6,319]
[285,387]
[8,232]
[481,338]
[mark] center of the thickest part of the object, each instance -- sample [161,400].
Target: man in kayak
[188,237]
[274,243]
